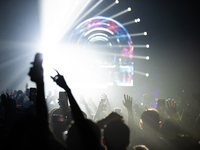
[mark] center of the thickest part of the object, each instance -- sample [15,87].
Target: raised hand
[60,81]
[128,102]
[104,96]
[171,111]
[102,106]
[36,72]
[76,111]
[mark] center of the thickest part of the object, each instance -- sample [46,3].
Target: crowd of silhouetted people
[29,120]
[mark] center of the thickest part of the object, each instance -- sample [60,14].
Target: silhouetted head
[140,147]
[84,136]
[116,136]
[150,120]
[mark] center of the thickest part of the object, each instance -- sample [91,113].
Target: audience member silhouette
[28,128]
[150,125]
[116,136]
[60,118]
[84,133]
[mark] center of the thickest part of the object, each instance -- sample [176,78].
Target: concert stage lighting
[116,1]
[121,13]
[105,9]
[129,8]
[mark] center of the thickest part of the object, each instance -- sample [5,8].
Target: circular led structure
[107,35]
[109,45]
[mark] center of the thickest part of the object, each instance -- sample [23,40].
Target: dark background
[173,36]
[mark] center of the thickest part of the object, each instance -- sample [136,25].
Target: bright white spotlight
[147,57]
[147,46]
[138,19]
[116,1]
[129,9]
[145,33]
[58,16]
[147,74]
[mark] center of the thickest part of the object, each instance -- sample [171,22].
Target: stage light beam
[141,73]
[57,17]
[131,22]
[104,10]
[132,35]
[138,34]
[92,8]
[121,13]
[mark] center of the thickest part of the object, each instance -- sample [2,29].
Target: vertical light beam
[57,16]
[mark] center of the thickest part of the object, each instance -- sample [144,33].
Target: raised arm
[76,111]
[36,75]
[100,109]
[128,102]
